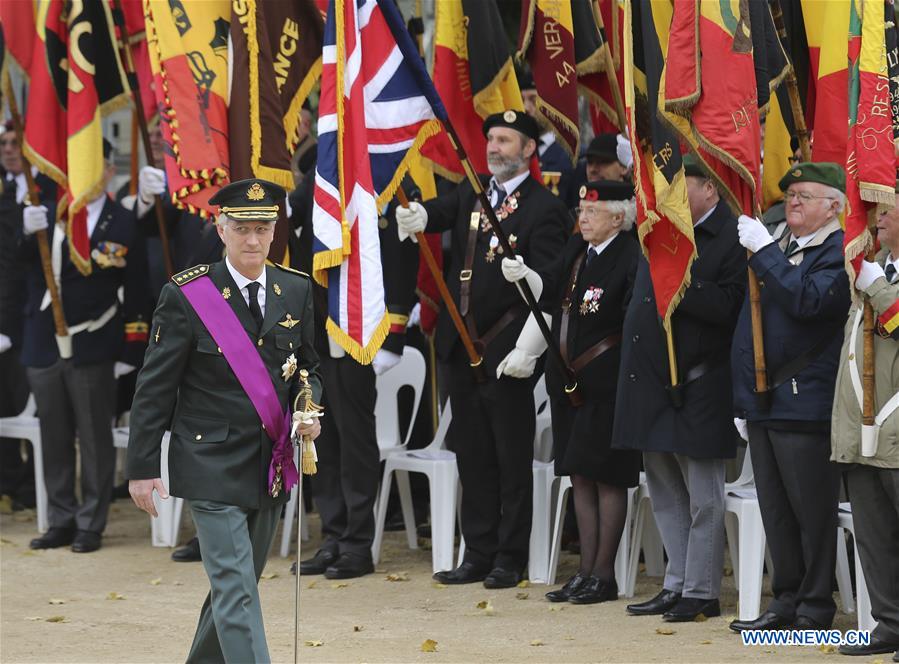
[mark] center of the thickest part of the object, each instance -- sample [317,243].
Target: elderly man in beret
[493,422]
[872,458]
[805,297]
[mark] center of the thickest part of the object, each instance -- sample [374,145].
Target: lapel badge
[289,367]
[277,289]
[288,322]
[590,303]
[226,292]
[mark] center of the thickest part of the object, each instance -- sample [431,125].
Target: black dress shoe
[349,566]
[595,590]
[655,606]
[86,541]
[875,647]
[571,586]
[768,620]
[465,573]
[318,563]
[189,553]
[804,622]
[688,609]
[53,539]
[501,577]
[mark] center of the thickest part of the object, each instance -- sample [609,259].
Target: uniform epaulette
[290,269]
[190,274]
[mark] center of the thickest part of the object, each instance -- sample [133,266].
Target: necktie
[591,254]
[791,248]
[890,272]
[255,311]
[497,194]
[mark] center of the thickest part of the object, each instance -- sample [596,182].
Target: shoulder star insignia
[288,322]
[277,289]
[226,292]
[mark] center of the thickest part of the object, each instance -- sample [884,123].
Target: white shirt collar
[241,280]
[94,209]
[598,248]
[705,216]
[546,139]
[21,184]
[509,186]
[804,240]
[892,261]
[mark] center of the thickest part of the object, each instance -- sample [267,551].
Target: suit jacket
[87,298]
[703,327]
[539,229]
[219,450]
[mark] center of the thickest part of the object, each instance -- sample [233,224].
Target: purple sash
[228,333]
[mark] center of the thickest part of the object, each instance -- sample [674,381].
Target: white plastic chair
[439,464]
[863,601]
[645,536]
[544,481]
[410,371]
[26,425]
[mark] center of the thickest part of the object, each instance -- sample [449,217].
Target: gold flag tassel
[304,404]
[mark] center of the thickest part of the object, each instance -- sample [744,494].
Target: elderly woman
[594,285]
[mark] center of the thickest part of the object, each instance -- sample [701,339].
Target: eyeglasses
[260,231]
[803,197]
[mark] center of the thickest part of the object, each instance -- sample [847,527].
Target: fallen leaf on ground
[521,595]
[56,600]
[700,617]
[178,583]
[56,619]
[29,553]
[312,584]
[270,575]
[438,585]
[827,650]
[665,631]
[483,604]
[706,642]
[537,642]
[313,644]
[156,581]
[486,606]
[557,608]
[569,638]
[6,541]
[115,595]
[34,618]
[429,645]
[340,585]
[524,583]
[358,628]
[398,576]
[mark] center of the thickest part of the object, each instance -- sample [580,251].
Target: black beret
[525,80]
[607,190]
[823,172]
[249,200]
[604,148]
[517,120]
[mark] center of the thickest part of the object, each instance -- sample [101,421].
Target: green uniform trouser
[235,543]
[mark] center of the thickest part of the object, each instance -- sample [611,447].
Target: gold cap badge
[583,191]
[256,192]
[797,173]
[509,116]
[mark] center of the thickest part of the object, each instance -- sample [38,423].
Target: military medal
[590,303]
[226,292]
[109,254]
[493,250]
[288,322]
[289,367]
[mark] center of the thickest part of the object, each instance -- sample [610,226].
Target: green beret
[607,190]
[692,167]
[823,172]
[517,120]
[250,200]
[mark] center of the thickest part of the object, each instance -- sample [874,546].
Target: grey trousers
[798,489]
[874,494]
[688,504]
[76,400]
[234,542]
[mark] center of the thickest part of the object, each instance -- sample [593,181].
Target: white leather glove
[384,361]
[5,343]
[34,219]
[411,220]
[515,270]
[522,359]
[869,273]
[121,368]
[150,183]
[623,150]
[414,316]
[753,234]
[742,429]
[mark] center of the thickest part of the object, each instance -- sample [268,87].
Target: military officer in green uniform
[227,346]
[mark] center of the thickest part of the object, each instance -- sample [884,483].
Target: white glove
[753,234]
[869,273]
[34,219]
[742,429]
[5,343]
[384,361]
[150,183]
[515,270]
[121,368]
[623,150]
[520,362]
[411,220]
[414,316]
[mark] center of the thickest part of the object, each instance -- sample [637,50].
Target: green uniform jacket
[218,449]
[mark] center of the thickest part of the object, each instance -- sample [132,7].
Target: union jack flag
[378,107]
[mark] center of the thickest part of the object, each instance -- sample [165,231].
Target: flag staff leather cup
[474,358]
[63,338]
[128,60]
